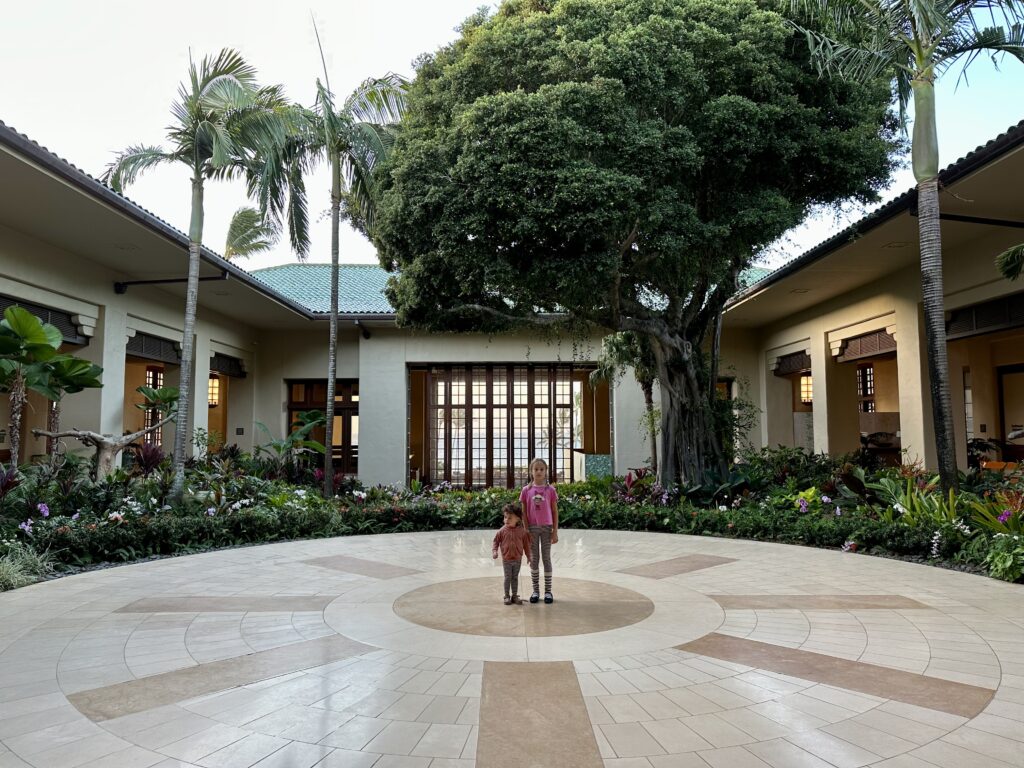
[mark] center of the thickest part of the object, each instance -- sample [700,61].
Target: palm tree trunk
[185,396]
[935,326]
[925,158]
[53,425]
[17,404]
[332,350]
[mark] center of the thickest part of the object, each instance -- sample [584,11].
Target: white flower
[300,492]
[722,508]
[899,508]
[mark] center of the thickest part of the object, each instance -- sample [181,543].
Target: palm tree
[248,234]
[914,42]
[221,119]
[351,139]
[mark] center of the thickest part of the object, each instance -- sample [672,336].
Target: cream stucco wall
[383,407]
[891,304]
[38,272]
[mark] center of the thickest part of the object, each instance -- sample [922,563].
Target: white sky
[87,79]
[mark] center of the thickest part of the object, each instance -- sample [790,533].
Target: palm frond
[227,63]
[1010,262]
[249,233]
[378,100]
[127,165]
[971,42]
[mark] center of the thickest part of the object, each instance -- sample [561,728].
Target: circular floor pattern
[474,607]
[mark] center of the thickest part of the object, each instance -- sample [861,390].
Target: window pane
[499,445]
[519,387]
[355,430]
[479,386]
[336,438]
[459,445]
[440,443]
[520,444]
[479,465]
[577,414]
[499,387]
[540,387]
[458,386]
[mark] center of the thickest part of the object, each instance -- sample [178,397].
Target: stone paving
[389,651]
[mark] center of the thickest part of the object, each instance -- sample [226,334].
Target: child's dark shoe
[535,597]
[508,600]
[517,600]
[548,598]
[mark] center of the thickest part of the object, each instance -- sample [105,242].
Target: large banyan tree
[615,164]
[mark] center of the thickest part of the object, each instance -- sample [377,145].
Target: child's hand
[494,554]
[554,537]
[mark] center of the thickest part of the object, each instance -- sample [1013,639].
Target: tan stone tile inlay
[474,607]
[374,568]
[907,687]
[146,693]
[817,602]
[234,604]
[677,565]
[532,714]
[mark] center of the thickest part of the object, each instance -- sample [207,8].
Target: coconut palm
[914,42]
[222,118]
[351,138]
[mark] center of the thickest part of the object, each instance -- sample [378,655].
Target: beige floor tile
[402,761]
[675,737]
[443,740]
[946,755]
[780,753]
[623,709]
[356,733]
[343,758]
[831,749]
[244,752]
[295,755]
[630,740]
[733,757]
[874,740]
[398,738]
[678,761]
[717,731]
[992,745]
[198,745]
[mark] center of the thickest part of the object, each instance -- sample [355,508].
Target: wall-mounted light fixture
[806,389]
[213,390]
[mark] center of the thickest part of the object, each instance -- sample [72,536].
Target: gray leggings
[540,550]
[512,576]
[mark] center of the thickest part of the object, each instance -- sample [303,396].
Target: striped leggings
[540,550]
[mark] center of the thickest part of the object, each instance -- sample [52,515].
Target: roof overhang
[51,200]
[984,186]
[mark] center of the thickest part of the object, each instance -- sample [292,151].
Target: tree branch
[87,437]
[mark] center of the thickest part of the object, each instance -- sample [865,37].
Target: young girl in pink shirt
[540,513]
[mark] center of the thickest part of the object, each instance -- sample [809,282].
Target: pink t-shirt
[538,501]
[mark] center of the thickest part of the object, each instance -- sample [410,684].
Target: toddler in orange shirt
[513,541]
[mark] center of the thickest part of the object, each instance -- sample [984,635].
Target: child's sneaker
[517,600]
[535,597]
[508,600]
[548,598]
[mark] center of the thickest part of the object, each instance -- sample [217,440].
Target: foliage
[21,564]
[1005,558]
[616,163]
[249,233]
[1000,512]
[234,499]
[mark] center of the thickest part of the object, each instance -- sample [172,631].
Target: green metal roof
[752,275]
[360,287]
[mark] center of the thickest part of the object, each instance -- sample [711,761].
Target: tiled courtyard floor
[660,651]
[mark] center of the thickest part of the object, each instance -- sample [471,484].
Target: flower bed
[782,496]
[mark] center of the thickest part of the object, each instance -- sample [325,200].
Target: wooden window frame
[346,405]
[473,475]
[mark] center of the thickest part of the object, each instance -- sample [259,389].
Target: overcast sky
[87,79]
